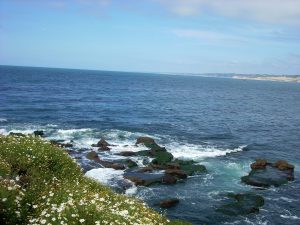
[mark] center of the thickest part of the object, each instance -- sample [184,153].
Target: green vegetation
[41,184]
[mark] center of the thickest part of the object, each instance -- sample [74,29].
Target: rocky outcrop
[170,202]
[265,174]
[145,140]
[241,204]
[103,145]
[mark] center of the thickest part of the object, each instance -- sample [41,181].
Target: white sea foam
[25,131]
[290,217]
[3,120]
[105,175]
[199,152]
[3,132]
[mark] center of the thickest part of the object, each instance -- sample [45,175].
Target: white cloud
[272,11]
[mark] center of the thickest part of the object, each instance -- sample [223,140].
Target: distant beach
[270,78]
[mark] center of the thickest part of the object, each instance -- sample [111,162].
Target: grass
[41,184]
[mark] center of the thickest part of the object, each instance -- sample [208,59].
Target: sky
[168,36]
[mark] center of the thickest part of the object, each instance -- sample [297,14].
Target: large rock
[167,203]
[145,140]
[241,204]
[272,174]
[103,145]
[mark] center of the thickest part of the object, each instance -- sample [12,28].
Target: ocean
[222,123]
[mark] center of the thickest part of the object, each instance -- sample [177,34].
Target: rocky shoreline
[161,168]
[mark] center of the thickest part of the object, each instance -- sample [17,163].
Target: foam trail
[3,120]
[199,152]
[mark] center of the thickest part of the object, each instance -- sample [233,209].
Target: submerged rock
[167,203]
[241,204]
[264,174]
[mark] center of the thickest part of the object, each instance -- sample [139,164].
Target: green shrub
[41,184]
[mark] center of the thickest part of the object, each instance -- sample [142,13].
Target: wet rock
[144,179]
[145,140]
[259,164]
[92,155]
[130,163]
[190,168]
[161,157]
[177,173]
[145,169]
[241,204]
[167,203]
[103,145]
[169,179]
[126,153]
[38,133]
[116,166]
[273,174]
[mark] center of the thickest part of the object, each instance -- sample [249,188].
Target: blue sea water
[222,123]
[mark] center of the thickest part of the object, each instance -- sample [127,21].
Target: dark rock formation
[167,203]
[103,145]
[145,140]
[269,174]
[241,204]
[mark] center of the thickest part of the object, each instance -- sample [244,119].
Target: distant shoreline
[270,78]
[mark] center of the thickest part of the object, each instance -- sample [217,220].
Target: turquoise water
[222,123]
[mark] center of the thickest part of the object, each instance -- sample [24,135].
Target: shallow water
[222,123]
